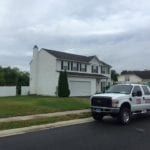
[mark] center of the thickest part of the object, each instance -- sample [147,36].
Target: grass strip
[30,105]
[27,123]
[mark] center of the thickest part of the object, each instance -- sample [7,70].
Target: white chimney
[35,51]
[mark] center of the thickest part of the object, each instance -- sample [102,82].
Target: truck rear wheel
[97,116]
[125,115]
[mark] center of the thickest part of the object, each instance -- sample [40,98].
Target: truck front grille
[101,101]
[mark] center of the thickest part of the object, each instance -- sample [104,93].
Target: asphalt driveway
[108,135]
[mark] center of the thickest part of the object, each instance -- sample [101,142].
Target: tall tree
[114,76]
[124,71]
[63,88]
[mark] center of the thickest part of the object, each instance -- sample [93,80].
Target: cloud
[118,32]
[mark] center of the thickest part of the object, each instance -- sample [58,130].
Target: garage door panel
[80,88]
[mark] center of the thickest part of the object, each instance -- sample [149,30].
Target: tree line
[13,76]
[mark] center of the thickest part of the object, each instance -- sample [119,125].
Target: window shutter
[92,68]
[80,67]
[97,69]
[71,65]
[62,65]
[68,65]
[77,66]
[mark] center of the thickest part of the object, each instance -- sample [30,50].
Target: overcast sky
[117,31]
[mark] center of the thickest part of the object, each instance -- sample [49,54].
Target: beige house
[135,76]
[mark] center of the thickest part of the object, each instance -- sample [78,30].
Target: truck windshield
[123,89]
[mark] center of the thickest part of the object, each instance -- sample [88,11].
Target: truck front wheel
[125,115]
[97,116]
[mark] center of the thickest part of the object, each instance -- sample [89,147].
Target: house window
[94,69]
[65,65]
[74,66]
[127,78]
[103,69]
[107,70]
[83,67]
[69,65]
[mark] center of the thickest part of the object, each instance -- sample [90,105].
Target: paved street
[90,136]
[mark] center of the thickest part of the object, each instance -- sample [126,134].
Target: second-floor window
[74,66]
[83,67]
[107,70]
[103,70]
[94,69]
[65,65]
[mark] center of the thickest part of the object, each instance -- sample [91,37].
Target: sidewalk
[35,128]
[16,131]
[19,118]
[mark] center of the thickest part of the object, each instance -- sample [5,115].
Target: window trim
[103,69]
[94,69]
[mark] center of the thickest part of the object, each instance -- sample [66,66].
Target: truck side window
[146,90]
[135,90]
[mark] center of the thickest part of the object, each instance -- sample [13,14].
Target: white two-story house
[86,75]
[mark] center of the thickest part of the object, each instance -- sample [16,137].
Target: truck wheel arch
[124,116]
[125,104]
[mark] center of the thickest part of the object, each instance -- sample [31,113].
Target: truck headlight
[115,103]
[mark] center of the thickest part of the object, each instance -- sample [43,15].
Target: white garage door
[80,88]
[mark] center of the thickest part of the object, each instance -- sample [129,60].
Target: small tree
[63,88]
[114,76]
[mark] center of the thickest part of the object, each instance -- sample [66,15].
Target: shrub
[63,88]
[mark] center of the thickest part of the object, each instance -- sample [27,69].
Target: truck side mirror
[139,93]
[133,94]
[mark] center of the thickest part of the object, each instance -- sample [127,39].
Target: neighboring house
[86,75]
[135,76]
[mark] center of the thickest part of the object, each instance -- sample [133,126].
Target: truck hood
[113,95]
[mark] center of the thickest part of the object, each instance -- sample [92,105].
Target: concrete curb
[11,132]
[19,118]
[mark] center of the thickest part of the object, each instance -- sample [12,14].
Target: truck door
[146,98]
[137,99]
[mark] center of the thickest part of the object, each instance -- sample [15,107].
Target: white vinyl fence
[25,90]
[7,91]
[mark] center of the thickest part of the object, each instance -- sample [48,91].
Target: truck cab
[121,101]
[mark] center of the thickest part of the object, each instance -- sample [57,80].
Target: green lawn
[27,105]
[27,123]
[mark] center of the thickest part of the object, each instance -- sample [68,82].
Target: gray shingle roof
[71,57]
[142,74]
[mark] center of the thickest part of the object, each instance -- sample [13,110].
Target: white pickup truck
[121,101]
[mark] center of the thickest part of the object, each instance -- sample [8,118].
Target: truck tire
[97,116]
[124,116]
